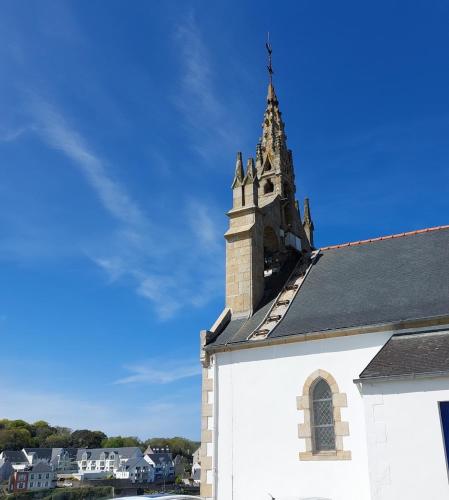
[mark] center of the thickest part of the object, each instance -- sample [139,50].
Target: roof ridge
[388,237]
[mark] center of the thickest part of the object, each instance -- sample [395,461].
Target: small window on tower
[268,187]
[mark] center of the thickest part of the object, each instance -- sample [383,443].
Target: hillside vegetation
[18,434]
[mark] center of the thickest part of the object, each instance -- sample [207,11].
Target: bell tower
[265,228]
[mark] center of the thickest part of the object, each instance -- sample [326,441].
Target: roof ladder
[283,301]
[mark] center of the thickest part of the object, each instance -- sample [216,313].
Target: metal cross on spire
[270,51]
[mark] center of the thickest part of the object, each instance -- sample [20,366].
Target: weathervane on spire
[270,51]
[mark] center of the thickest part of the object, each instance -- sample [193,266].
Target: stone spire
[251,184]
[273,134]
[308,223]
[251,173]
[238,176]
[238,190]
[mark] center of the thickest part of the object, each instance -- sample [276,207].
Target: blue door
[444,412]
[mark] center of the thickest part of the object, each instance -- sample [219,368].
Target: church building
[326,376]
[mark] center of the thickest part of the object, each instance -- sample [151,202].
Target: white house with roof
[101,462]
[163,464]
[136,470]
[63,460]
[16,458]
[196,466]
[40,476]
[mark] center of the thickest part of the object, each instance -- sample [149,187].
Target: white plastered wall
[258,444]
[405,441]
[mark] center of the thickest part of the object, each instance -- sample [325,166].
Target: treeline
[18,434]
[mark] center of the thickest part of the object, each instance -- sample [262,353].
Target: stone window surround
[339,400]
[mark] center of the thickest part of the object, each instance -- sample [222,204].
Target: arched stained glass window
[323,430]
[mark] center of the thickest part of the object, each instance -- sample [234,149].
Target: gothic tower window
[268,187]
[323,431]
[271,250]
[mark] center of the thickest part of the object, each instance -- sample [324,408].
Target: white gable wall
[258,444]
[406,448]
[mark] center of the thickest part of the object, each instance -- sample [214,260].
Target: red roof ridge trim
[389,237]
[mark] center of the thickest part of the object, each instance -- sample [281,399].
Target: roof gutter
[402,326]
[403,376]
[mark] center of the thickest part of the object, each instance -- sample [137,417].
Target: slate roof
[159,458]
[95,453]
[14,456]
[135,462]
[41,467]
[40,453]
[70,451]
[410,355]
[386,280]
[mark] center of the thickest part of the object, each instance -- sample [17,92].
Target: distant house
[6,469]
[196,474]
[136,470]
[18,481]
[196,467]
[100,462]
[181,464]
[164,467]
[17,459]
[41,476]
[36,455]
[63,460]
[37,477]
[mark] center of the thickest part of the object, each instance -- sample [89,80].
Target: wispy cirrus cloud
[162,266]
[207,118]
[159,371]
[58,134]
[12,134]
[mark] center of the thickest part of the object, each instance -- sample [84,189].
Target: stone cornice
[394,327]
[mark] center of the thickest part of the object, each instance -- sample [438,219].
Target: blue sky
[119,126]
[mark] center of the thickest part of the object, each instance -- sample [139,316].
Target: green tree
[84,438]
[58,441]
[112,442]
[119,441]
[13,424]
[132,441]
[15,438]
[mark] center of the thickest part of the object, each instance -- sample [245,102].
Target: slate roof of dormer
[95,453]
[40,453]
[41,467]
[417,355]
[385,280]
[15,456]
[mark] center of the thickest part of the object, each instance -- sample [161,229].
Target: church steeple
[273,133]
[265,228]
